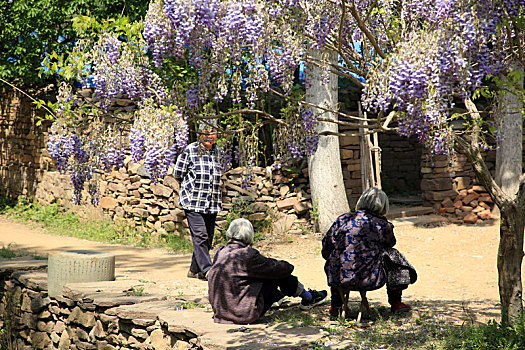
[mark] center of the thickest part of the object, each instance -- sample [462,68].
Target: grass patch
[293,316]
[66,223]
[492,335]
[7,253]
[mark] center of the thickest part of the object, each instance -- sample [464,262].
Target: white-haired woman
[359,254]
[243,284]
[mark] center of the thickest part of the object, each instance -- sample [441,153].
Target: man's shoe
[399,307]
[203,276]
[318,297]
[191,274]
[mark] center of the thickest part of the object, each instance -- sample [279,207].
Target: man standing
[198,168]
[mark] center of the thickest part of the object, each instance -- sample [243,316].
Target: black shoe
[191,274]
[318,297]
[203,276]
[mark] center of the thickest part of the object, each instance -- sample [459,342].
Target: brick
[470,218]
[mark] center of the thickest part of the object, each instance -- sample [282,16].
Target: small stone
[470,218]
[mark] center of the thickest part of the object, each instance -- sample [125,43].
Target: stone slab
[8,266]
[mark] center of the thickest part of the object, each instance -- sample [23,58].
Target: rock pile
[470,205]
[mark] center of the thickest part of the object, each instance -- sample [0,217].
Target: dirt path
[456,264]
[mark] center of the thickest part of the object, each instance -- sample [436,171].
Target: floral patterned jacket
[353,249]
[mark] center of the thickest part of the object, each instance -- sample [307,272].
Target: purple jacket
[235,281]
[353,247]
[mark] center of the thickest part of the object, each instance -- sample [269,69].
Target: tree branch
[364,29]
[468,145]
[31,97]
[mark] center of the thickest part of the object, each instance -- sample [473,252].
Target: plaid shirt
[200,172]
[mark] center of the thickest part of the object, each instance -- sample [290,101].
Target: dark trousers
[274,290]
[394,295]
[202,227]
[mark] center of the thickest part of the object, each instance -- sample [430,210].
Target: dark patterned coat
[353,250]
[235,281]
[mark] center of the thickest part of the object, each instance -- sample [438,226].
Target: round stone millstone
[78,266]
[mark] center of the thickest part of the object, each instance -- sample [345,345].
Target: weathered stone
[283,223]
[97,332]
[139,333]
[286,204]
[55,338]
[470,197]
[470,218]
[284,190]
[257,216]
[108,203]
[462,182]
[158,341]
[169,226]
[29,320]
[439,195]
[478,188]
[104,345]
[40,340]
[86,319]
[172,183]
[161,190]
[301,207]
[181,345]
[447,203]
[39,303]
[81,334]
[141,171]
[154,211]
[485,214]
[117,187]
[26,303]
[59,327]
[433,184]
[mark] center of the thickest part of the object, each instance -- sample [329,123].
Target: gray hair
[240,230]
[207,125]
[373,200]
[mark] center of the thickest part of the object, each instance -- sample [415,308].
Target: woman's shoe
[399,307]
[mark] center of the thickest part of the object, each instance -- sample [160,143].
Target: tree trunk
[510,256]
[508,172]
[510,125]
[324,167]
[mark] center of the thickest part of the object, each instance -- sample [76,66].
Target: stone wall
[21,146]
[279,199]
[102,315]
[400,164]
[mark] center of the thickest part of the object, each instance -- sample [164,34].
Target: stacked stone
[444,180]
[351,166]
[21,143]
[83,320]
[129,194]
[470,205]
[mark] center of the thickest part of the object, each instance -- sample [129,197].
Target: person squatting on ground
[198,167]
[243,284]
[359,254]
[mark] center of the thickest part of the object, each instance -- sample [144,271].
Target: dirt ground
[456,265]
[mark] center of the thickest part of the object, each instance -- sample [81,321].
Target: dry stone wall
[101,315]
[278,198]
[22,159]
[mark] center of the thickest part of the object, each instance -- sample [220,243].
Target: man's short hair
[241,230]
[373,200]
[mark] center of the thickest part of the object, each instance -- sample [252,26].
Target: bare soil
[457,274]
